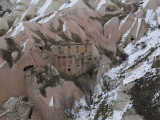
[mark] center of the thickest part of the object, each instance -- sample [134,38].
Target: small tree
[89,85]
[67,105]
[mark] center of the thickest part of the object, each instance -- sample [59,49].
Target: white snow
[3,113]
[2,64]
[18,29]
[139,25]
[24,14]
[44,7]
[34,2]
[108,22]
[150,15]
[18,1]
[145,3]
[64,26]
[48,18]
[117,115]
[101,3]
[137,73]
[24,44]
[64,6]
[156,95]
[123,21]
[158,15]
[127,33]
[123,1]
[51,104]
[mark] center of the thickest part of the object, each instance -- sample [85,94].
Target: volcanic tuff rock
[30,30]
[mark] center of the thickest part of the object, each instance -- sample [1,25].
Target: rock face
[74,59]
[16,108]
[51,49]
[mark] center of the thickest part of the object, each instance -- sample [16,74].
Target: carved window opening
[76,48]
[132,38]
[86,48]
[28,67]
[90,57]
[78,66]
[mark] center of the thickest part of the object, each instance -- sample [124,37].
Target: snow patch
[122,1]
[24,44]
[64,26]
[108,22]
[17,1]
[139,25]
[2,64]
[158,15]
[24,14]
[127,33]
[150,15]
[123,21]
[117,115]
[18,29]
[44,7]
[51,104]
[64,6]
[145,3]
[101,3]
[34,2]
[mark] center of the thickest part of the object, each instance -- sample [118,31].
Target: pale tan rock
[3,25]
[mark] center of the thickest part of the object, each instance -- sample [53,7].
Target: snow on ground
[144,52]
[158,14]
[139,25]
[150,15]
[64,6]
[145,3]
[127,33]
[24,14]
[18,1]
[42,10]
[17,29]
[108,22]
[2,64]
[157,95]
[136,52]
[123,1]
[51,104]
[24,44]
[108,97]
[34,2]
[117,115]
[101,3]
[123,21]
[64,26]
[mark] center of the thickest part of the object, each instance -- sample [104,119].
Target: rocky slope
[124,32]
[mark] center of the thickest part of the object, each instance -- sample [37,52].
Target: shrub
[53,81]
[11,47]
[86,2]
[156,64]
[103,111]
[2,32]
[111,56]
[24,98]
[76,38]
[10,23]
[6,55]
[62,35]
[143,96]
[28,17]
